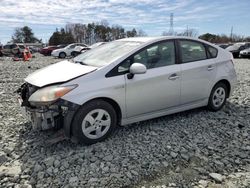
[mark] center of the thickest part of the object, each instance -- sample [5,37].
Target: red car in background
[47,50]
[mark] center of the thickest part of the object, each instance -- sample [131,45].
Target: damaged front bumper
[57,115]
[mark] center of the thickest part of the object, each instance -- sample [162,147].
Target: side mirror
[136,68]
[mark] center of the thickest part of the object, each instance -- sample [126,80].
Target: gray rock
[92,180]
[11,171]
[108,158]
[37,168]
[129,175]
[57,163]
[8,150]
[165,163]
[105,169]
[217,177]
[173,154]
[49,161]
[134,172]
[50,171]
[40,175]
[65,164]
[185,156]
[3,157]
[73,181]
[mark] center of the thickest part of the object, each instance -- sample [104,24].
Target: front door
[159,87]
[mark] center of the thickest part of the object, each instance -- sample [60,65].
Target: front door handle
[173,76]
[210,67]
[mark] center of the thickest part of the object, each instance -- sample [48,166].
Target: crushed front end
[46,112]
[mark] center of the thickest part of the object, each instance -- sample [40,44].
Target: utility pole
[231,35]
[171,28]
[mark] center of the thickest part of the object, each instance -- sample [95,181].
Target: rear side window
[212,52]
[192,51]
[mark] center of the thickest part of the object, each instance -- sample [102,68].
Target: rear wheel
[94,122]
[218,97]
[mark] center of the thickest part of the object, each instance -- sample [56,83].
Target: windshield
[106,54]
[70,46]
[96,44]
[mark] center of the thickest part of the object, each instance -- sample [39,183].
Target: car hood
[58,50]
[234,47]
[58,72]
[246,50]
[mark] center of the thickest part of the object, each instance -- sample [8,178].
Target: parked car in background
[34,49]
[64,52]
[224,46]
[80,49]
[1,47]
[245,53]
[14,49]
[237,47]
[47,50]
[127,81]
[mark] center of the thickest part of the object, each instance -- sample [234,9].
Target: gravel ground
[196,148]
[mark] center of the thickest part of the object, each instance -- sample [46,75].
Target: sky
[152,16]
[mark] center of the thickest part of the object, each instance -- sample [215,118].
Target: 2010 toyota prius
[126,81]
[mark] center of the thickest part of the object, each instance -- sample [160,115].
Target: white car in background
[245,53]
[64,52]
[80,49]
[126,81]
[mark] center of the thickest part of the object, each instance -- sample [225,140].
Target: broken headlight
[50,94]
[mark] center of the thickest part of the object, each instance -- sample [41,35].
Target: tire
[218,97]
[62,55]
[88,126]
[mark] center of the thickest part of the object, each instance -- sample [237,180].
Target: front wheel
[218,97]
[62,55]
[94,122]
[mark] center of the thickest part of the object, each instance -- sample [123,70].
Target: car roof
[155,39]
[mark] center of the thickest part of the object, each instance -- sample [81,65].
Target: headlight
[48,95]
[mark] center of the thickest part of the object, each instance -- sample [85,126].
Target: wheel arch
[227,83]
[115,105]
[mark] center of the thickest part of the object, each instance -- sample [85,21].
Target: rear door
[198,71]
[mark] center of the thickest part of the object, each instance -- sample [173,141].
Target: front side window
[159,55]
[192,51]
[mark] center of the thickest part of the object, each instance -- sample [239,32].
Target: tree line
[213,38]
[102,32]
[91,33]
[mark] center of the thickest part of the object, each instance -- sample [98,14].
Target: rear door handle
[210,67]
[173,76]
